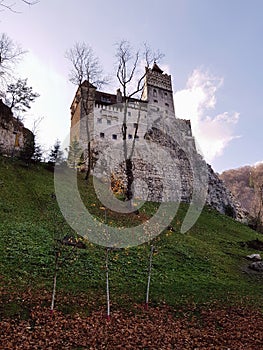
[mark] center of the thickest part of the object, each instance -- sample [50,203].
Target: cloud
[197,102]
[53,103]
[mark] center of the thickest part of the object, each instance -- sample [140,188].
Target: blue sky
[213,49]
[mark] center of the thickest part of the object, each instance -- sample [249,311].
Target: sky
[213,50]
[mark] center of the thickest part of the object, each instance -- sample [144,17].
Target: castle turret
[82,115]
[158,89]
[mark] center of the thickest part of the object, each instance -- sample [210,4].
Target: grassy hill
[204,265]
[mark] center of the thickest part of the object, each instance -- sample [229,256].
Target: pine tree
[56,154]
[38,153]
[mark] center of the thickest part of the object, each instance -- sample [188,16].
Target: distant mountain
[246,184]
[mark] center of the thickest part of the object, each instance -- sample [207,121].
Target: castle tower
[158,90]
[82,114]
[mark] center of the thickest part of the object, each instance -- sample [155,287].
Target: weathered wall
[13,135]
[170,170]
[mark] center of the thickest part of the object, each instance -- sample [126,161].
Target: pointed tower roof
[156,68]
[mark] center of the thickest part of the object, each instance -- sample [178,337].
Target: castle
[161,147]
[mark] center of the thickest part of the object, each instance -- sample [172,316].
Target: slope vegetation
[205,264]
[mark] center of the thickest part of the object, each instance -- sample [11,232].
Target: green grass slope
[204,265]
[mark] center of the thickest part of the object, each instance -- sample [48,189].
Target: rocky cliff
[14,137]
[167,167]
[221,198]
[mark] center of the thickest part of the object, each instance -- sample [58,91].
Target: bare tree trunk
[85,100]
[107,283]
[128,158]
[54,285]
[89,162]
[149,277]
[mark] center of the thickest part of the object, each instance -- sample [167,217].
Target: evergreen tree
[28,150]
[38,153]
[56,154]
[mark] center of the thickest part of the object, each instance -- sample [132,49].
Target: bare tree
[85,65]
[10,55]
[11,6]
[132,83]
[85,72]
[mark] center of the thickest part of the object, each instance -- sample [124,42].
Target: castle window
[167,104]
[102,135]
[130,136]
[99,120]
[156,101]
[105,99]
[129,114]
[135,125]
[108,122]
[165,94]
[154,92]
[114,137]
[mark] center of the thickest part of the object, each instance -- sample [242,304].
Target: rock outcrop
[14,137]
[220,198]
[170,169]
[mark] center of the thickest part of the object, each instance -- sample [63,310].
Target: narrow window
[102,135]
[99,120]
[108,122]
[135,125]
[154,92]
[167,104]
[130,136]
[129,114]
[114,137]
[156,101]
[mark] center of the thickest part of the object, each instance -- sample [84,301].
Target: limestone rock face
[14,137]
[170,170]
[220,198]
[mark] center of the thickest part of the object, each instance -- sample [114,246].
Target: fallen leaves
[161,328]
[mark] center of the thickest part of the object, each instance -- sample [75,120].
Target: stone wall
[13,135]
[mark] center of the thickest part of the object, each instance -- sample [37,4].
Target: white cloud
[258,163]
[197,102]
[53,103]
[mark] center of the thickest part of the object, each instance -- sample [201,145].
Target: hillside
[205,269]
